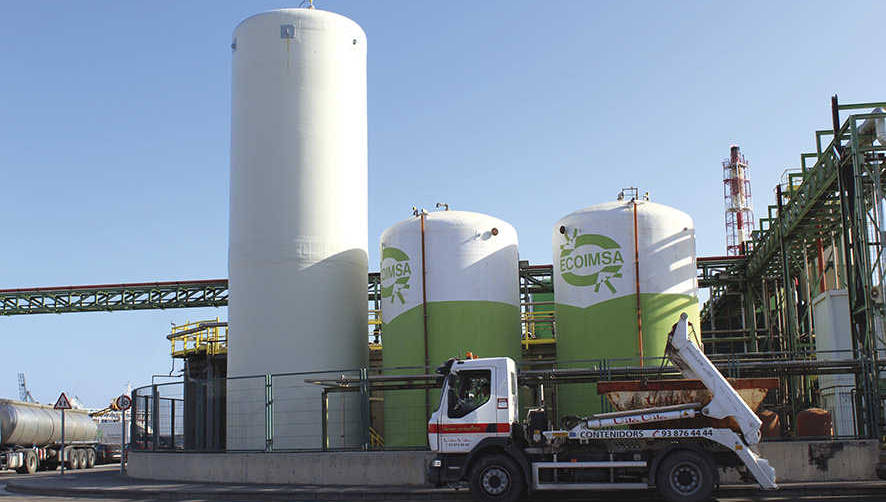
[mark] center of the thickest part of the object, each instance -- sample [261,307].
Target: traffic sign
[63,403]
[123,402]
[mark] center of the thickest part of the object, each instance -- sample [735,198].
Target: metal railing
[388,408]
[199,337]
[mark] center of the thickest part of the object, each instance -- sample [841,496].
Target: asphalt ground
[105,484]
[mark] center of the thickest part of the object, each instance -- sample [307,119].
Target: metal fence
[308,411]
[388,408]
[158,417]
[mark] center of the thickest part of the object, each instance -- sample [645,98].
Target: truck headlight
[436,463]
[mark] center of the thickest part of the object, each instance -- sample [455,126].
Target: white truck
[478,438]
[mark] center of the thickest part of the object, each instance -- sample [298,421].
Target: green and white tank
[596,288]
[473,304]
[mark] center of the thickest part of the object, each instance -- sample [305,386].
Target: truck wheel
[22,469]
[685,476]
[497,478]
[90,458]
[73,460]
[30,462]
[84,461]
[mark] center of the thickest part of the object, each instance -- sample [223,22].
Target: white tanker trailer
[31,436]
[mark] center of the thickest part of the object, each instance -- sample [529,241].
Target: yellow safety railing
[374,317]
[375,323]
[375,438]
[199,337]
[535,320]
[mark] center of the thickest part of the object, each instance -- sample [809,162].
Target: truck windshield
[468,390]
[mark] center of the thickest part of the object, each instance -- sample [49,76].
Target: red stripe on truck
[468,428]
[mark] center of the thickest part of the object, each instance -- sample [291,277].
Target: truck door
[437,420]
[471,413]
[506,404]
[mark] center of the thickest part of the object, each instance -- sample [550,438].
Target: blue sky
[114,135]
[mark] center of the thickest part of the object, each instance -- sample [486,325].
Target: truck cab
[479,401]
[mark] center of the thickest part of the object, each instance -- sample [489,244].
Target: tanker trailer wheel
[84,460]
[73,460]
[685,476]
[497,478]
[90,458]
[29,466]
[30,462]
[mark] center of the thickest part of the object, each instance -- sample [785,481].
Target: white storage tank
[598,252]
[833,341]
[471,301]
[298,221]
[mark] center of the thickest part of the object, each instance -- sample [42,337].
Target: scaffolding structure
[739,207]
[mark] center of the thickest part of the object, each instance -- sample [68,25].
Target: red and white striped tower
[737,195]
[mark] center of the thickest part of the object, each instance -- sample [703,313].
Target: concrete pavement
[108,483]
[111,484]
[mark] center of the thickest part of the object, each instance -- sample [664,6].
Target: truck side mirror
[446,367]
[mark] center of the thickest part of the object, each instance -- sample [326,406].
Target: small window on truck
[468,390]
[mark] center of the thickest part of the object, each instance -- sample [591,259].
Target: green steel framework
[834,200]
[178,294]
[111,297]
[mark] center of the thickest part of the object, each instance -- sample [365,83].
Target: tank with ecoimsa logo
[473,304]
[599,274]
[31,424]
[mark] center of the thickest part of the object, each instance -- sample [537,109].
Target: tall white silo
[298,223]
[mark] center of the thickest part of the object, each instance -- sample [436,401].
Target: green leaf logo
[590,260]
[395,274]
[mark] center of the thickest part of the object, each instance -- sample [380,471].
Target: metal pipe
[155,418]
[123,441]
[637,285]
[763,367]
[836,258]
[820,251]
[171,424]
[788,296]
[808,288]
[766,311]
[424,311]
[63,444]
[324,419]
[751,312]
[727,339]
[728,331]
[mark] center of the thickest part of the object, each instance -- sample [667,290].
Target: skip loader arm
[726,402]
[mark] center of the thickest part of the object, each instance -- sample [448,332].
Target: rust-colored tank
[771,427]
[815,422]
